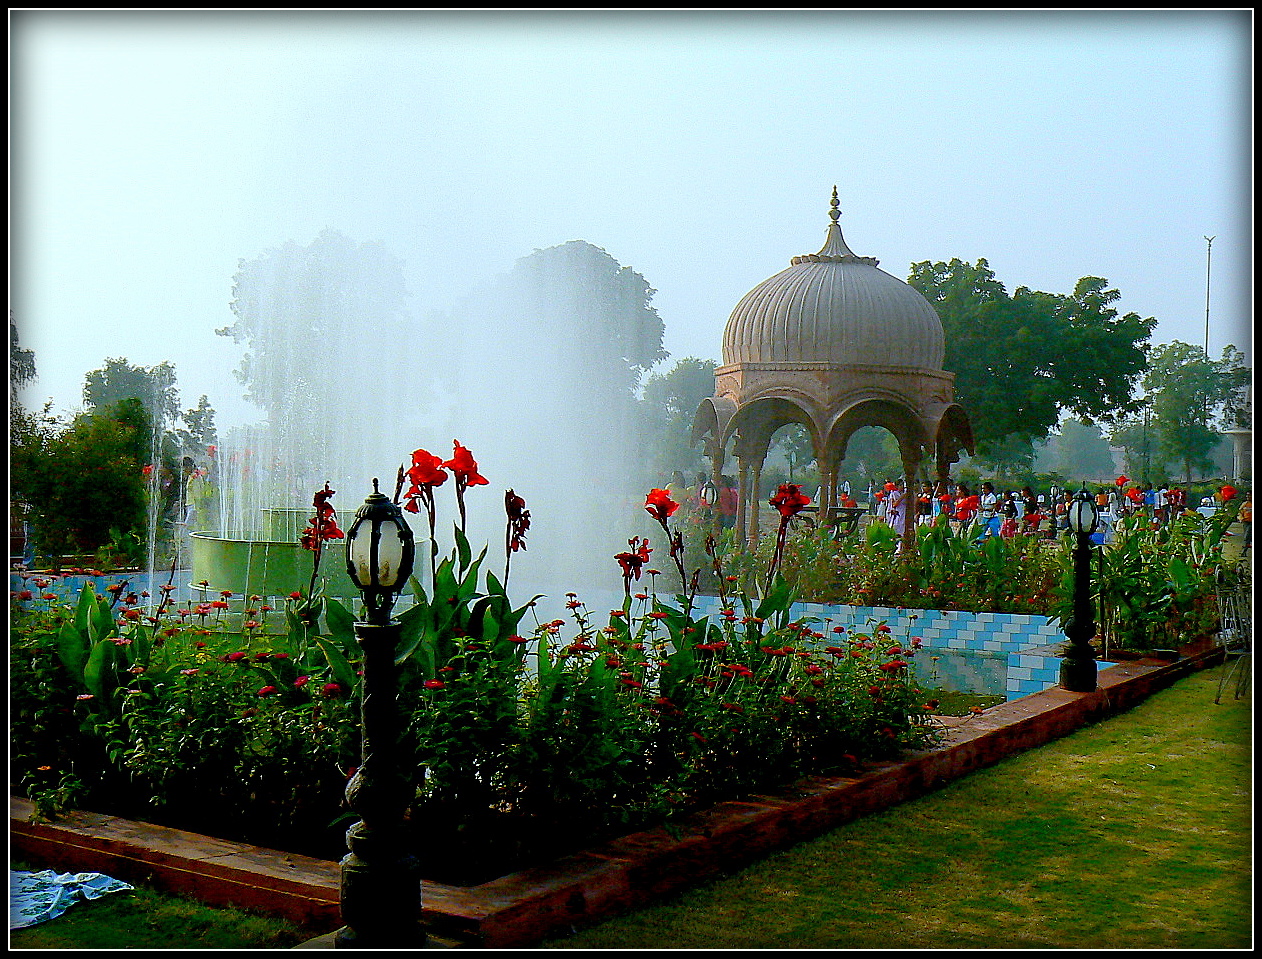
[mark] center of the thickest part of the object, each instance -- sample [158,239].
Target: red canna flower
[427,470]
[633,561]
[323,526]
[790,500]
[464,467]
[660,506]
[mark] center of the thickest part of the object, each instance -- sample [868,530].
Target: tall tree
[199,428]
[21,364]
[153,386]
[1021,361]
[668,403]
[542,366]
[1080,452]
[1190,396]
[330,358]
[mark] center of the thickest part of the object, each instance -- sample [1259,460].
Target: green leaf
[777,600]
[72,648]
[98,672]
[412,622]
[341,623]
[338,663]
[493,584]
[83,610]
[463,549]
[101,620]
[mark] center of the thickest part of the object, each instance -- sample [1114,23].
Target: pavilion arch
[836,344]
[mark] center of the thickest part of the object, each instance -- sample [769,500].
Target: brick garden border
[525,907]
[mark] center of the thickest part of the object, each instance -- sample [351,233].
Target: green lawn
[1134,833]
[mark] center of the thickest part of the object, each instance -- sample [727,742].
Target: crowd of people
[1003,514]
[1040,514]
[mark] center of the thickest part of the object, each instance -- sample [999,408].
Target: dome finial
[835,248]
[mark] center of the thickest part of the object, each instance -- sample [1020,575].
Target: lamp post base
[1078,675]
[381,904]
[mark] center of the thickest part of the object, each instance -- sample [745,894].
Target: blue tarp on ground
[36,897]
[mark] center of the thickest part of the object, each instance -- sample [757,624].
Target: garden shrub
[525,740]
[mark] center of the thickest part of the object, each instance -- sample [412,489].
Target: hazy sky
[152,151]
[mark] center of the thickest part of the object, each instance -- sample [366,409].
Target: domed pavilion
[836,344]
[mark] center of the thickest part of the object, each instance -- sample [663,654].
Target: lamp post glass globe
[379,553]
[709,493]
[1083,518]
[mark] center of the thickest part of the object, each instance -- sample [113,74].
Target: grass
[146,919]
[1134,833]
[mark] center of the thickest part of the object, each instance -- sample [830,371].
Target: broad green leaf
[412,622]
[338,664]
[83,610]
[341,623]
[463,550]
[101,620]
[72,649]
[98,672]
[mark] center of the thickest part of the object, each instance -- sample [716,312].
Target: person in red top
[966,504]
[728,498]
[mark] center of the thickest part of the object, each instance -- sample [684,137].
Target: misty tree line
[564,356]
[85,484]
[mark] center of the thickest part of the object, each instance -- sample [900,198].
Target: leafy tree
[85,483]
[1189,396]
[154,386]
[668,403]
[1022,360]
[1079,450]
[872,457]
[794,441]
[542,367]
[21,364]
[295,306]
[331,357]
[1011,455]
[199,428]
[553,354]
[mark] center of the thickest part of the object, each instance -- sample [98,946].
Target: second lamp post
[380,878]
[1078,666]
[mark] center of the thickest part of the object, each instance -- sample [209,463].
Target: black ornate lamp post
[380,878]
[709,496]
[1078,667]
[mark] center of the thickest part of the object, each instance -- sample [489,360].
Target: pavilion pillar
[911,466]
[755,500]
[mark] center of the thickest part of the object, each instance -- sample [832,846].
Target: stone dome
[834,308]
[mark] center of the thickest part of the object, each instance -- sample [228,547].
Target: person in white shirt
[988,508]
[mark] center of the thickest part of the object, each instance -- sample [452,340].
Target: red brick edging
[522,908]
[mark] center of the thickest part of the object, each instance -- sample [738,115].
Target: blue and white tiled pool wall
[1003,654]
